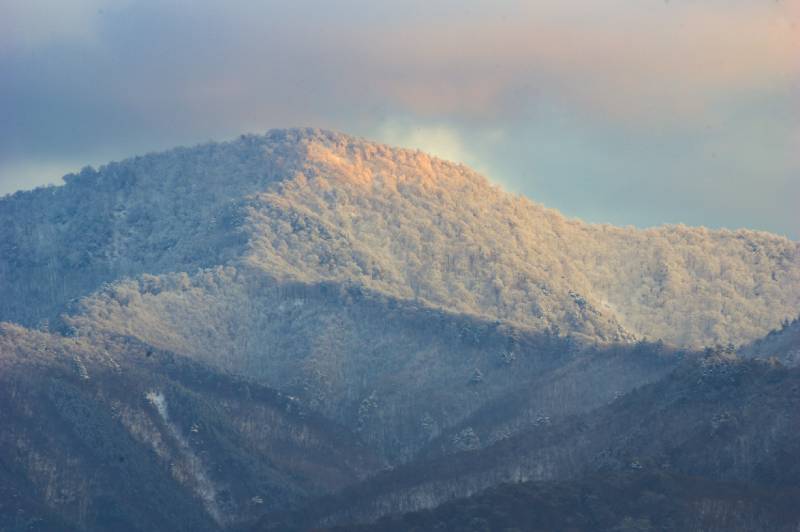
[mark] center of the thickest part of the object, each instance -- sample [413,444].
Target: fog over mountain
[304,329]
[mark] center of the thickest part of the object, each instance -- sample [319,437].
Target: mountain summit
[233,333]
[309,206]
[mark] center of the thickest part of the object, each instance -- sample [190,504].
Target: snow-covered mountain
[248,325]
[309,206]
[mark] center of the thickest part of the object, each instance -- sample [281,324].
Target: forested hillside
[304,329]
[398,372]
[310,205]
[718,418]
[783,344]
[633,502]
[118,435]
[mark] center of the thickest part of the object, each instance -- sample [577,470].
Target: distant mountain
[311,206]
[201,338]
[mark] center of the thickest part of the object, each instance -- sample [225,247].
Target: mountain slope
[114,434]
[206,301]
[718,418]
[395,371]
[311,206]
[591,379]
[423,228]
[783,344]
[618,502]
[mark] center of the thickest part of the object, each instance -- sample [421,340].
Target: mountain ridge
[716,417]
[310,205]
[110,433]
[254,325]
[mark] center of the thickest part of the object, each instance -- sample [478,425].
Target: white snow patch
[158,401]
[191,467]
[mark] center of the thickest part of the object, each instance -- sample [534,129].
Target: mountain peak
[281,154]
[334,156]
[422,310]
[310,205]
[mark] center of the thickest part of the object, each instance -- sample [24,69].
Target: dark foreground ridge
[611,502]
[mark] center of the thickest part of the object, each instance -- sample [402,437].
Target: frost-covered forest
[309,205]
[304,329]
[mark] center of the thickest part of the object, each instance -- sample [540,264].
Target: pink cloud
[628,61]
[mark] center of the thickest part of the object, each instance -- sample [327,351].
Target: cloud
[442,141]
[30,24]
[644,61]
[475,146]
[633,60]
[561,100]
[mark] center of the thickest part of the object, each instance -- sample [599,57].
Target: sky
[632,112]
